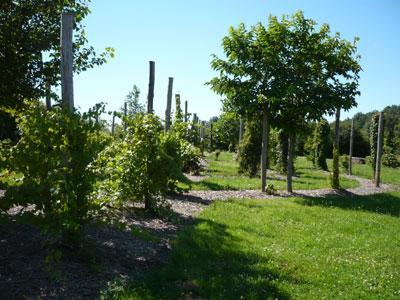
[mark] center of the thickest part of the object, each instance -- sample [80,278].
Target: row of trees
[285,75]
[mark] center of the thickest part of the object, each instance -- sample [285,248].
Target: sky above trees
[180,37]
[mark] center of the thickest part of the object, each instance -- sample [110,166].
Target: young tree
[133,106]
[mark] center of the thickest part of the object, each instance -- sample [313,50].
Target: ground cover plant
[222,174]
[300,248]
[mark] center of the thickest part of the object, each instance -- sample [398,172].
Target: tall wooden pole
[335,168]
[264,149]
[186,111]
[125,114]
[211,137]
[48,96]
[351,148]
[169,103]
[150,96]
[379,151]
[240,129]
[67,84]
[289,173]
[113,124]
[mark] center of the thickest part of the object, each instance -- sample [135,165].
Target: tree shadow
[382,203]
[207,262]
[208,185]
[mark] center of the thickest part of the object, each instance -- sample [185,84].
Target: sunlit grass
[324,248]
[222,174]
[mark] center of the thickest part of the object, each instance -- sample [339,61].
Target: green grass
[328,248]
[223,175]
[388,175]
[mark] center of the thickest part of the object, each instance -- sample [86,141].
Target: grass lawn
[388,175]
[223,175]
[328,248]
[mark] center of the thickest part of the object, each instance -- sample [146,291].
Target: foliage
[270,189]
[29,30]
[143,166]
[335,170]
[390,160]
[344,161]
[318,144]
[132,100]
[53,156]
[250,149]
[226,131]
[178,118]
[292,71]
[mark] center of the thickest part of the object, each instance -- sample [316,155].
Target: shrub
[53,155]
[344,161]
[270,189]
[390,160]
[250,148]
[217,153]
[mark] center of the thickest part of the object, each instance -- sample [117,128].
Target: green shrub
[390,160]
[344,161]
[250,148]
[270,189]
[53,155]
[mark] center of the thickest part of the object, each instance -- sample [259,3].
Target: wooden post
[67,85]
[150,96]
[289,173]
[335,168]
[186,111]
[48,96]
[125,114]
[202,136]
[169,103]
[351,148]
[264,149]
[211,137]
[379,151]
[240,129]
[113,124]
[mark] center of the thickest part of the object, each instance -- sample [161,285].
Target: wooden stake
[113,124]
[48,96]
[289,173]
[169,103]
[264,149]
[150,96]
[186,111]
[351,148]
[379,151]
[67,85]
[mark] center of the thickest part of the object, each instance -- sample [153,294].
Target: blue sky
[181,35]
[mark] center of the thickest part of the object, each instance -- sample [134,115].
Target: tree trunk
[379,151]
[169,103]
[150,96]
[67,83]
[335,169]
[264,150]
[289,173]
[351,148]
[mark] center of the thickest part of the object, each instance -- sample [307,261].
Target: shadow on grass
[384,203]
[208,263]
[213,186]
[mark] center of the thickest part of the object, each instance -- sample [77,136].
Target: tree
[226,131]
[247,77]
[29,30]
[132,100]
